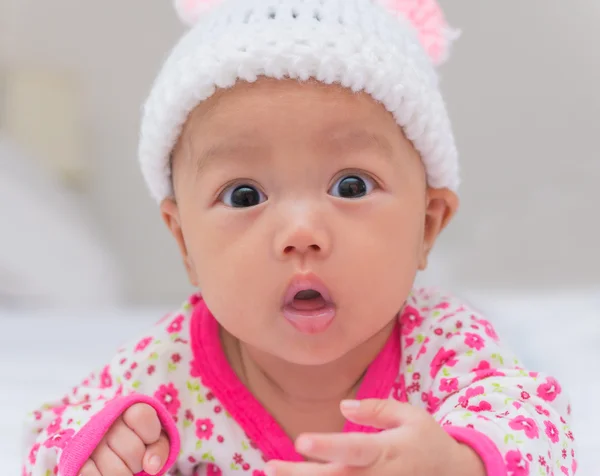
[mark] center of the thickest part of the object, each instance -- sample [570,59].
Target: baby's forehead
[246,98]
[273,118]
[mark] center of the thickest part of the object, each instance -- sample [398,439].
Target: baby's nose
[303,232]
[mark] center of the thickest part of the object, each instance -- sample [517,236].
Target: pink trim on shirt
[263,430]
[80,448]
[483,446]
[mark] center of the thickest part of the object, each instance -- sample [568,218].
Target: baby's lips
[305,282]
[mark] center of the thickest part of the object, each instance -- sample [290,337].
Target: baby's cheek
[233,291]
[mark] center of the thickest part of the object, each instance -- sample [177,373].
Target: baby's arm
[62,436]
[516,420]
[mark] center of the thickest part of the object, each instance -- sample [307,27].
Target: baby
[303,161]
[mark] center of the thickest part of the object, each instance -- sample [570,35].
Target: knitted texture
[359,44]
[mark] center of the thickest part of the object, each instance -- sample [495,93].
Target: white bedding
[43,355]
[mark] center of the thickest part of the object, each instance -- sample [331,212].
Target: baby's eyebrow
[338,140]
[353,139]
[233,148]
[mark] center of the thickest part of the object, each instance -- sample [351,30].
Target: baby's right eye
[242,196]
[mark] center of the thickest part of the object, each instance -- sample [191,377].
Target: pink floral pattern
[549,390]
[410,320]
[204,429]
[168,396]
[475,341]
[60,439]
[470,393]
[485,370]
[448,384]
[551,431]
[487,326]
[527,425]
[33,453]
[54,426]
[212,470]
[452,365]
[443,357]
[141,346]
[516,465]
[105,378]
[176,325]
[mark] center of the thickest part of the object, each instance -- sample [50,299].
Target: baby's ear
[170,214]
[442,205]
[189,11]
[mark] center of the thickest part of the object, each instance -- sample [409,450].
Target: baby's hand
[412,443]
[135,442]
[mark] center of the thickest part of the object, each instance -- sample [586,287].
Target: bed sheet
[42,355]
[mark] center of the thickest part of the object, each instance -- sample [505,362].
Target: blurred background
[77,226]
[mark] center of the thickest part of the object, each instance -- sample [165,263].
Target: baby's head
[304,162]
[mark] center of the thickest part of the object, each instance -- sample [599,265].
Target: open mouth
[307,295]
[308,306]
[308,300]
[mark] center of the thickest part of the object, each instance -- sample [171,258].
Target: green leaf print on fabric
[245,446]
[208,457]
[198,444]
[172,367]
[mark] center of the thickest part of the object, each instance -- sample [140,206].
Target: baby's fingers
[156,455]
[126,445]
[108,463]
[143,420]
[358,450]
[89,469]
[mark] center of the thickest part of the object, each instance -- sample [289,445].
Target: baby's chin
[334,345]
[313,356]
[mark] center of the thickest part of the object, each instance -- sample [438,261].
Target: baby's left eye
[352,186]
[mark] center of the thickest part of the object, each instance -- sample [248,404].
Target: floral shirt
[442,356]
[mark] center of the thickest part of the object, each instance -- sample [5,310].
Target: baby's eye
[352,186]
[242,196]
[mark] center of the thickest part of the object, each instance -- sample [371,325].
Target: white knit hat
[386,48]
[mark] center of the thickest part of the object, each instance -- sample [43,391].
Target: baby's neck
[311,393]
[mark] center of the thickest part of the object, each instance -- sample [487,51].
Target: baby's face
[280,184]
